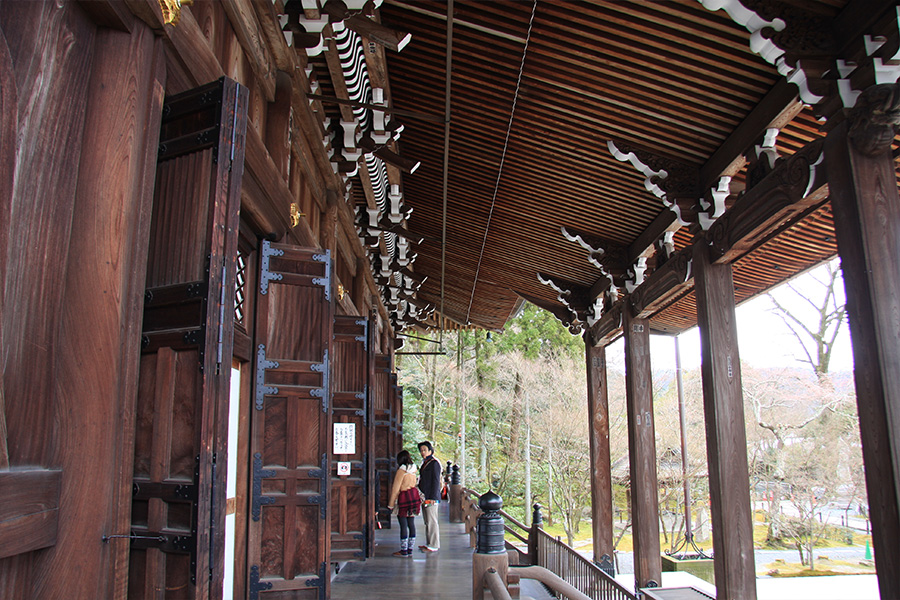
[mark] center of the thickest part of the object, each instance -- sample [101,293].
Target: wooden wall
[81,92]
[85,108]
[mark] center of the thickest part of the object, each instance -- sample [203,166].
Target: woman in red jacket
[405,496]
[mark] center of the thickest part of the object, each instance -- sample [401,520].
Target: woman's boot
[403,547]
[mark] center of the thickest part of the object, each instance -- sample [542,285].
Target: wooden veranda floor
[443,575]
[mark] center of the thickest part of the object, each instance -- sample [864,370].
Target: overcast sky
[764,339]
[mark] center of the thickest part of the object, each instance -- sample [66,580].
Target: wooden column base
[480,564]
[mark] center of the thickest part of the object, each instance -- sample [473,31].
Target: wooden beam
[726,439]
[247,29]
[777,108]
[867,224]
[642,453]
[601,463]
[29,510]
[669,281]
[783,195]
[267,198]
[285,57]
[604,330]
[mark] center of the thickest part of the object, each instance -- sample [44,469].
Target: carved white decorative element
[673,206]
[668,243]
[560,291]
[395,216]
[574,237]
[720,193]
[394,295]
[897,55]
[873,43]
[753,23]
[613,293]
[288,35]
[885,73]
[638,269]
[646,171]
[318,48]
[845,67]
[379,134]
[313,82]
[350,152]
[355,5]
[847,93]
[812,172]
[309,4]
[385,265]
[403,247]
[798,78]
[313,25]
[765,47]
[596,312]
[373,222]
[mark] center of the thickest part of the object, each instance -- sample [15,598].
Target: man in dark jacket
[430,486]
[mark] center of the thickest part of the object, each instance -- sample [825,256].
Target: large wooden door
[291,426]
[178,490]
[353,497]
[385,456]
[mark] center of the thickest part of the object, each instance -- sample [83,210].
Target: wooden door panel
[177,517]
[352,496]
[385,457]
[291,425]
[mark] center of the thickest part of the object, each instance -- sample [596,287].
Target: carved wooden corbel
[875,118]
[793,180]
[676,183]
[573,296]
[671,279]
[609,324]
[605,255]
[562,314]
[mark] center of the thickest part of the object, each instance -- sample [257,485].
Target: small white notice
[344,438]
[343,468]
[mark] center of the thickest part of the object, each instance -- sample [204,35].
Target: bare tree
[817,336]
[813,480]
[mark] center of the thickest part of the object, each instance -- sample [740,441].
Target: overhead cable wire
[512,114]
[447,91]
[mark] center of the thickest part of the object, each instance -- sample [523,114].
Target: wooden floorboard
[446,574]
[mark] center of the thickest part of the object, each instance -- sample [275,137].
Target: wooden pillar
[642,452]
[866,206]
[601,467]
[726,438]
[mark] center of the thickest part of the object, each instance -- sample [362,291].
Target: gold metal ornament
[171,10]
[295,215]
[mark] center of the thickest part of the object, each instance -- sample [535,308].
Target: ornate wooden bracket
[815,53]
[676,183]
[874,119]
[608,256]
[781,192]
[564,315]
[671,279]
[573,296]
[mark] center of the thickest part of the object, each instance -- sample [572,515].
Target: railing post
[536,521]
[490,549]
[455,499]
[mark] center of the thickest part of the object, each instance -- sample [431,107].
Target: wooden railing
[584,575]
[551,553]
